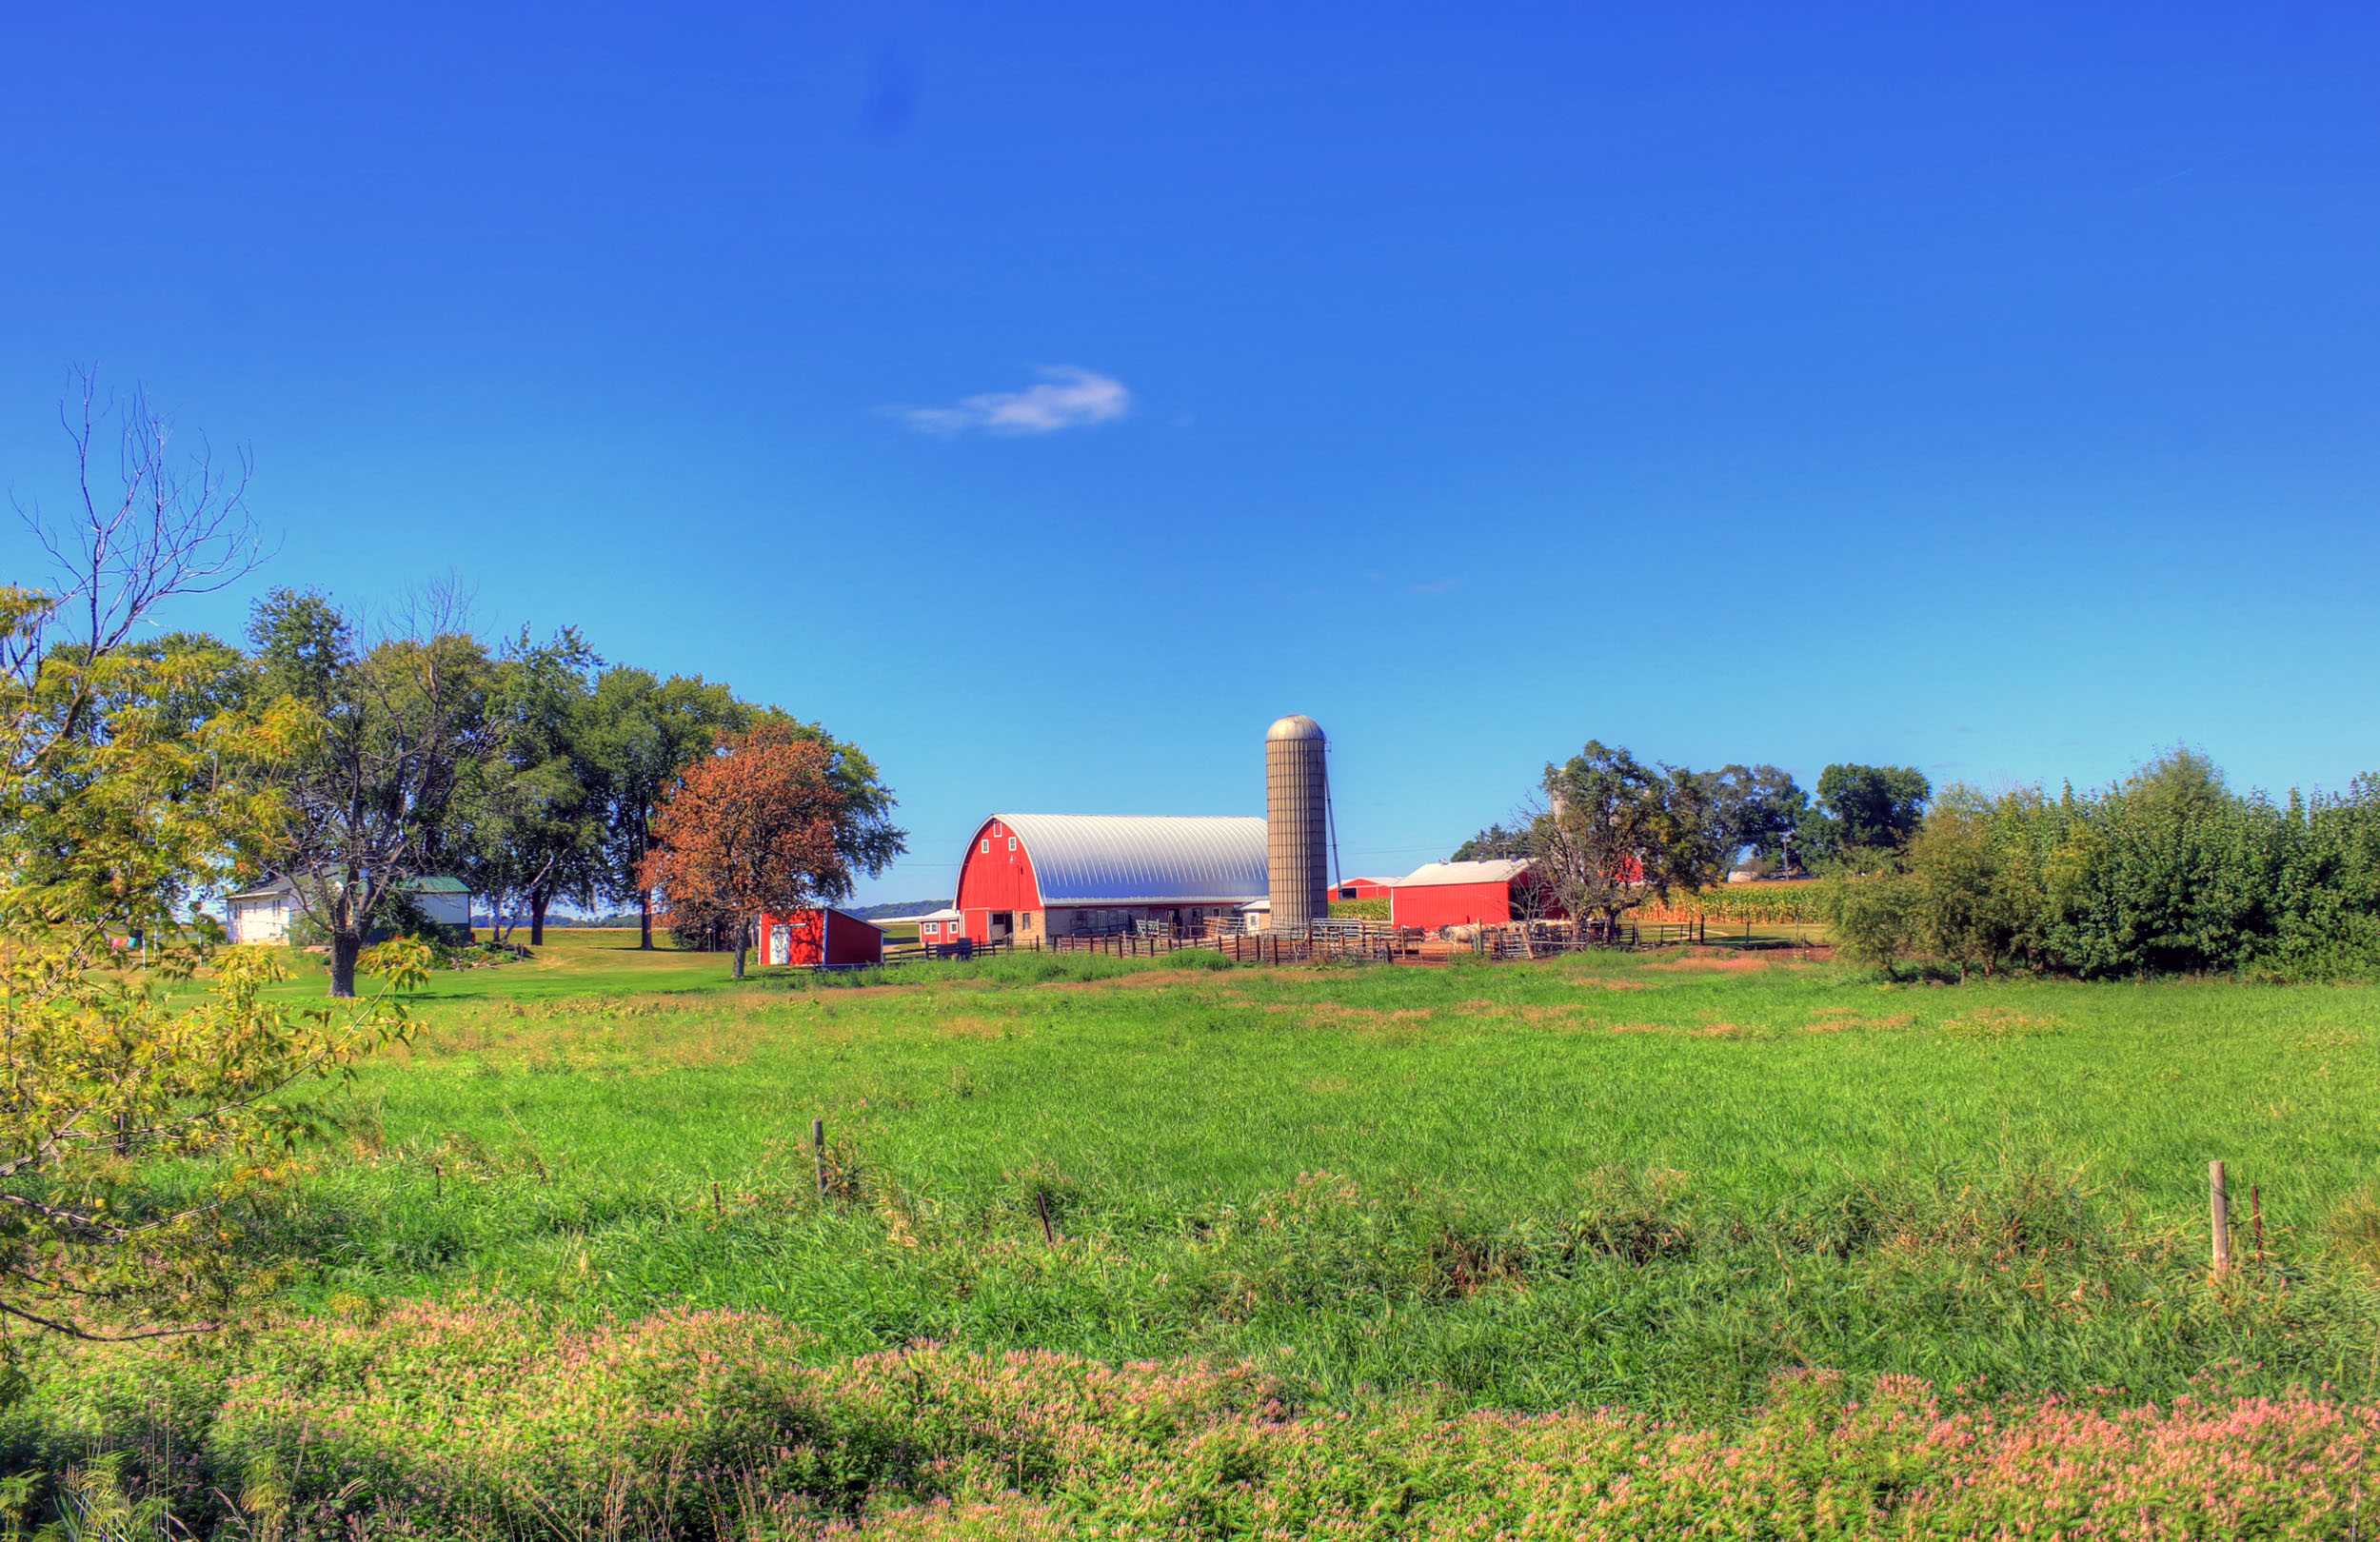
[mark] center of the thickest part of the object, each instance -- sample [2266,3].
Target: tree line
[361,758]
[1608,831]
[535,772]
[2167,872]
[143,770]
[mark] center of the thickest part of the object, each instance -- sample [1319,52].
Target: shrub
[1875,919]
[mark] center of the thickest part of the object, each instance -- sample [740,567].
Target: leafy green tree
[1755,808]
[529,819]
[1695,834]
[124,1067]
[637,734]
[113,1081]
[171,687]
[1874,919]
[1601,841]
[1494,844]
[1864,814]
[366,793]
[1967,902]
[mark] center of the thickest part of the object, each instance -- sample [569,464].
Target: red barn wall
[851,941]
[1433,905]
[996,878]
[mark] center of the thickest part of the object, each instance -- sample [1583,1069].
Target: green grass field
[1655,1182]
[1621,1246]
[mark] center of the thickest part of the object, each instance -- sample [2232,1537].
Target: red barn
[1362,888]
[1086,875]
[812,938]
[1458,894]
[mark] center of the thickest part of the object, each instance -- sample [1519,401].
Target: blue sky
[1048,397]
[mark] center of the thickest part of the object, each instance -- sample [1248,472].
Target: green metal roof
[438,883]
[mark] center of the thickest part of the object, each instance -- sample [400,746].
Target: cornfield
[1804,901]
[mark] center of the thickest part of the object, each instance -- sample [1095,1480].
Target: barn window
[1025,919]
[987,845]
[935,927]
[1012,843]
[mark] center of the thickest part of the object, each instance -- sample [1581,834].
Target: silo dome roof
[1297,725]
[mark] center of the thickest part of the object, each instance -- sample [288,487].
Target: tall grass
[1652,1182]
[486,1420]
[1340,1251]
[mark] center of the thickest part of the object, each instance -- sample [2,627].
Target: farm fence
[1355,940]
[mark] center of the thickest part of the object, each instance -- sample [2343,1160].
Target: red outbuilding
[1461,893]
[814,937]
[1362,888]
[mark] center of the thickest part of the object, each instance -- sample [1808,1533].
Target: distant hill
[897,907]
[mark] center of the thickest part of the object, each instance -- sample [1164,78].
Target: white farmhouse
[266,913]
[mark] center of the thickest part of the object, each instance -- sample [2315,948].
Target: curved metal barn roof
[1143,858]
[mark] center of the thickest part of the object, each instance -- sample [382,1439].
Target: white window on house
[935,927]
[987,847]
[1012,843]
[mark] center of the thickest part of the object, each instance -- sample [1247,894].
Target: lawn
[1652,1181]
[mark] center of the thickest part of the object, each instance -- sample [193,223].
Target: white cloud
[1068,398]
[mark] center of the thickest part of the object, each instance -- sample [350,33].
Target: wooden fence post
[2219,1218]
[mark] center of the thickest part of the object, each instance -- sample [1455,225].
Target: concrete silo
[1296,827]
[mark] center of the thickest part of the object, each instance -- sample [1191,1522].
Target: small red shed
[939,928]
[814,938]
[1460,894]
[1362,888]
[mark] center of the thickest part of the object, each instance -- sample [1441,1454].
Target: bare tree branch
[160,526]
[74,1331]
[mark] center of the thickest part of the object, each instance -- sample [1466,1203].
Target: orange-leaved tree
[762,823]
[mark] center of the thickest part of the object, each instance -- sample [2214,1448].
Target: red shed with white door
[812,938]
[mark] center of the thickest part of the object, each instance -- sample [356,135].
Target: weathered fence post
[2219,1217]
[817,1150]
